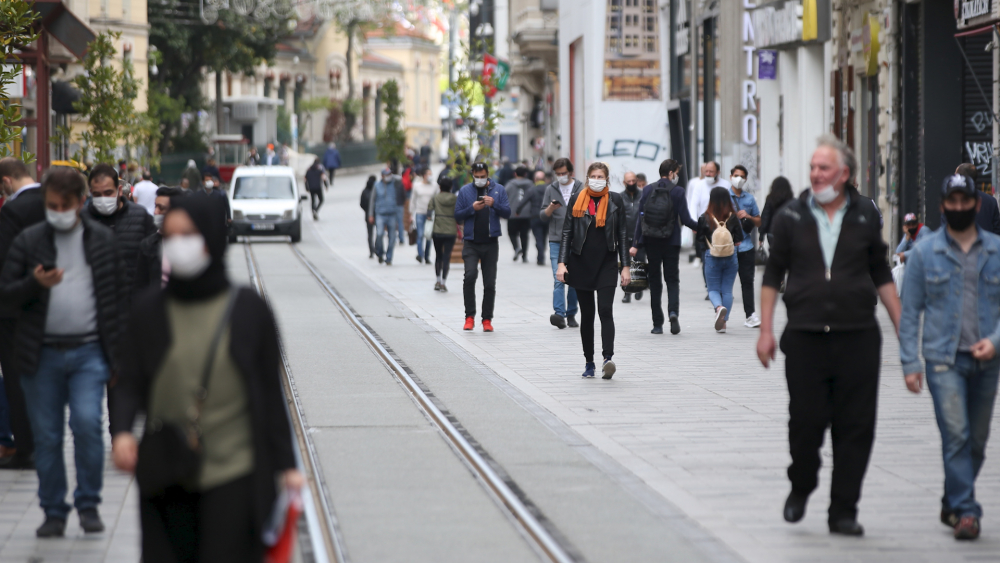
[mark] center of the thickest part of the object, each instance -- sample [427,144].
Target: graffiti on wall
[630,148]
[981,155]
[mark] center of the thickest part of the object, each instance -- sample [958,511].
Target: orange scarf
[583,202]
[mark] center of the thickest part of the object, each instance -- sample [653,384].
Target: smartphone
[480,198]
[48,267]
[554,202]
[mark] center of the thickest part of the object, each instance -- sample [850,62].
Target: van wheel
[297,231]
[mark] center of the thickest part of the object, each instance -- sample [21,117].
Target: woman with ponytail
[593,246]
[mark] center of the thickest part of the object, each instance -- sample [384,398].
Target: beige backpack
[721,245]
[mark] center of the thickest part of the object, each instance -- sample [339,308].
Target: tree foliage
[16,20]
[391,140]
[468,90]
[352,17]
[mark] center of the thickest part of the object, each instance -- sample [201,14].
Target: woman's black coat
[575,229]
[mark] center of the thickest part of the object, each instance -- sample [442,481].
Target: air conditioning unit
[245,111]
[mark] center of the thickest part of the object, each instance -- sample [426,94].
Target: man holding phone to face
[553,212]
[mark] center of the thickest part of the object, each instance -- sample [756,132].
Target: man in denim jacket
[953,277]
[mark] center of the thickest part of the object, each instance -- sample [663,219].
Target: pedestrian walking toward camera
[203,363]
[152,270]
[366,206]
[988,217]
[480,205]
[423,191]
[951,277]
[382,212]
[66,279]
[913,232]
[662,212]
[129,222]
[746,253]
[630,200]
[829,243]
[720,232]
[519,224]
[314,183]
[442,207]
[553,213]
[593,244]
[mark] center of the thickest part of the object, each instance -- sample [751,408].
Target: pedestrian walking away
[424,189]
[203,362]
[331,160]
[531,202]
[951,277]
[152,270]
[746,252]
[779,194]
[830,244]
[366,201]
[382,212]
[314,183]
[721,232]
[480,206]
[553,214]
[519,224]
[662,212]
[593,244]
[630,199]
[144,192]
[66,278]
[442,207]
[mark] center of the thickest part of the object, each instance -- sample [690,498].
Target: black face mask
[960,220]
[631,187]
[912,231]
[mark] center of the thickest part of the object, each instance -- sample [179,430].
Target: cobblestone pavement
[695,416]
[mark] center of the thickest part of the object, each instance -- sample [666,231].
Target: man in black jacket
[129,222]
[829,243]
[65,278]
[631,197]
[662,243]
[149,271]
[23,208]
[988,217]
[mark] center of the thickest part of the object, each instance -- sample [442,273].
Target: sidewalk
[694,415]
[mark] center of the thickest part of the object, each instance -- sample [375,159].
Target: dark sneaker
[795,507]
[571,321]
[557,321]
[589,369]
[967,528]
[380,259]
[627,298]
[419,259]
[388,262]
[608,368]
[90,521]
[638,296]
[657,330]
[51,528]
[847,527]
[675,326]
[437,286]
[949,518]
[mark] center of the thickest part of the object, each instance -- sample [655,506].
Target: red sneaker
[967,528]
[470,323]
[487,325]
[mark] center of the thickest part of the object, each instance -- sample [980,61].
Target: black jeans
[214,525]
[17,410]
[605,303]
[473,254]
[371,237]
[443,244]
[541,232]
[518,230]
[316,195]
[330,172]
[747,269]
[832,381]
[660,253]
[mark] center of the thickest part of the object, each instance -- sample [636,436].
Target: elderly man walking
[829,243]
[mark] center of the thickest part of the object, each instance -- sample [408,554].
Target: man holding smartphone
[553,212]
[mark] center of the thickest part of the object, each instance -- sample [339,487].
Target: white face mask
[563,179]
[209,185]
[61,220]
[826,195]
[481,182]
[736,181]
[106,205]
[187,256]
[158,221]
[597,184]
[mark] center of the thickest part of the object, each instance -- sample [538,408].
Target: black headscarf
[204,213]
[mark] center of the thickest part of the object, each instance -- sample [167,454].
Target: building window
[650,44]
[650,24]
[649,6]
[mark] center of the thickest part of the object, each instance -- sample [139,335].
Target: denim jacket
[465,213]
[933,284]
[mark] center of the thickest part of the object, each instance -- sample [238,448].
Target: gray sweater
[72,310]
[554,192]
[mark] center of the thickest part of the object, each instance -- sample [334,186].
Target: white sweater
[421,195]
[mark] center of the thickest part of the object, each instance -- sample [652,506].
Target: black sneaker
[517,254]
[380,259]
[627,298]
[51,528]
[657,330]
[557,321]
[638,296]
[90,521]
[675,326]
[949,518]
[419,259]
[571,321]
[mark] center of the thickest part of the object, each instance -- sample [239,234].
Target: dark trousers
[747,269]
[317,199]
[20,425]
[190,527]
[371,237]
[330,172]
[518,231]
[661,254]
[605,303]
[832,381]
[475,254]
[541,232]
[443,245]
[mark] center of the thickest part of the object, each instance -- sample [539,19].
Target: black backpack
[658,214]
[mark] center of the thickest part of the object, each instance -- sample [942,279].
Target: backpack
[721,245]
[658,215]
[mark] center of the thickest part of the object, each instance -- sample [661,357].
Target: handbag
[429,226]
[168,453]
[639,282]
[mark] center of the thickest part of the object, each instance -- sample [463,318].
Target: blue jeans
[720,274]
[73,376]
[382,223]
[963,404]
[6,437]
[423,246]
[400,227]
[559,296]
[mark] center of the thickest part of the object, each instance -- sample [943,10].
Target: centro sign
[975,8]
[748,93]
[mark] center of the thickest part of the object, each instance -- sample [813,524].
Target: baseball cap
[958,183]
[910,218]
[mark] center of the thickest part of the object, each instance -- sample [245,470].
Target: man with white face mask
[746,253]
[152,268]
[66,278]
[829,243]
[553,213]
[214,188]
[127,220]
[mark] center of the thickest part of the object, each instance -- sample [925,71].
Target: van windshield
[263,187]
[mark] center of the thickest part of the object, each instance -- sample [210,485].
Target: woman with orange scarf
[593,246]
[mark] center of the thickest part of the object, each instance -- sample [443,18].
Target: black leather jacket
[574,232]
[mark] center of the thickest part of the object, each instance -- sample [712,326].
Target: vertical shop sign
[748,95]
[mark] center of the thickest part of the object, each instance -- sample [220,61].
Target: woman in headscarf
[593,246]
[201,360]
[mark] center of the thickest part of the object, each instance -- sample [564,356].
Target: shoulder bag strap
[212,351]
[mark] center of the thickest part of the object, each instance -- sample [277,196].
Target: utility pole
[693,49]
[452,39]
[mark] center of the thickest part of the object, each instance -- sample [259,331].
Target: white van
[266,201]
